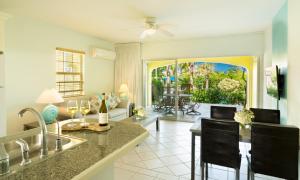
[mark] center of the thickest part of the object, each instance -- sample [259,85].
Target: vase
[49,113]
[244,127]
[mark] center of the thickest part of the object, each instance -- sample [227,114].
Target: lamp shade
[123,88]
[49,96]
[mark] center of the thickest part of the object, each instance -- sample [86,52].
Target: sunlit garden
[213,83]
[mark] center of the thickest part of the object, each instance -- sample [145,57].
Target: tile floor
[165,155]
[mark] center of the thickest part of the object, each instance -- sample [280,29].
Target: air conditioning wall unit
[103,54]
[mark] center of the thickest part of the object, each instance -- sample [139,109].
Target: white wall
[30,64]
[293,86]
[234,45]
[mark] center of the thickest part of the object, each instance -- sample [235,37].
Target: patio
[203,109]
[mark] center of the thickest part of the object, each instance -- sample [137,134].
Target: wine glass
[72,108]
[85,107]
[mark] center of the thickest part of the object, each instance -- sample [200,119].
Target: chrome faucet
[58,143]
[4,160]
[44,150]
[25,151]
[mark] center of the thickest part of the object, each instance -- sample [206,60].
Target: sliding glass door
[161,87]
[176,88]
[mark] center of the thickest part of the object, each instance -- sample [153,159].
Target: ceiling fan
[152,28]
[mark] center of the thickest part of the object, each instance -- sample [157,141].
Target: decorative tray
[92,126]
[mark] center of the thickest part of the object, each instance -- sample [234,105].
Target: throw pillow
[95,104]
[114,101]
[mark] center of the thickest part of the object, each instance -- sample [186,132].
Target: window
[69,72]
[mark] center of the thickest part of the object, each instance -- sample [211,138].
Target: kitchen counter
[85,160]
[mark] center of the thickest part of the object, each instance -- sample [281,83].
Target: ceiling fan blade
[165,32]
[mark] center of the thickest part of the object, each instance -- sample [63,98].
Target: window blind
[69,72]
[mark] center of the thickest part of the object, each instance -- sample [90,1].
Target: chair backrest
[266,115]
[274,150]
[222,112]
[220,142]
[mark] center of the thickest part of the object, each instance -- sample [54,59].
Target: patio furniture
[220,145]
[183,101]
[158,105]
[192,108]
[266,115]
[188,105]
[274,151]
[169,103]
[222,112]
[169,99]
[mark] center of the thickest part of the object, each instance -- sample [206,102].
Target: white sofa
[122,111]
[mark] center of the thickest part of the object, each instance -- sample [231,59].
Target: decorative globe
[49,113]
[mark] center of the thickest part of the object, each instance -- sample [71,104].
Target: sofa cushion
[95,104]
[113,101]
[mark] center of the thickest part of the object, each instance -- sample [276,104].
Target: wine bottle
[103,116]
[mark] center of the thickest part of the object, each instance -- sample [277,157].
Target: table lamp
[50,97]
[124,91]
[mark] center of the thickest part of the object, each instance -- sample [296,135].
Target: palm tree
[205,70]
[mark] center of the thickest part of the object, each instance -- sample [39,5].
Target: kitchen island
[92,159]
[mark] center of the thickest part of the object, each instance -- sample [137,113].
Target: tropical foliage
[157,90]
[209,85]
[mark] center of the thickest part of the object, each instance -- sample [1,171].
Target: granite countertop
[72,162]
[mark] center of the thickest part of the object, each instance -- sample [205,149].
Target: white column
[3,18]
[293,85]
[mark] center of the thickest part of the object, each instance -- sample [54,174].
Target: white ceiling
[122,20]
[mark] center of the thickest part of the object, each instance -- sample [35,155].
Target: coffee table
[144,121]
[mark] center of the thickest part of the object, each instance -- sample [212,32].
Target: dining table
[169,106]
[244,133]
[245,136]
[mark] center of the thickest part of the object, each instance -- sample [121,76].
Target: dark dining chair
[266,115]
[274,151]
[222,112]
[220,145]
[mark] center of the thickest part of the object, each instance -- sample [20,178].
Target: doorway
[181,88]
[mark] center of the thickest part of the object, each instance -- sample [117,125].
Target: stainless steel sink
[34,143]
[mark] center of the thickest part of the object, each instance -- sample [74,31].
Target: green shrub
[211,95]
[157,90]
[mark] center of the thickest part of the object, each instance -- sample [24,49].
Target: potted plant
[139,113]
[244,118]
